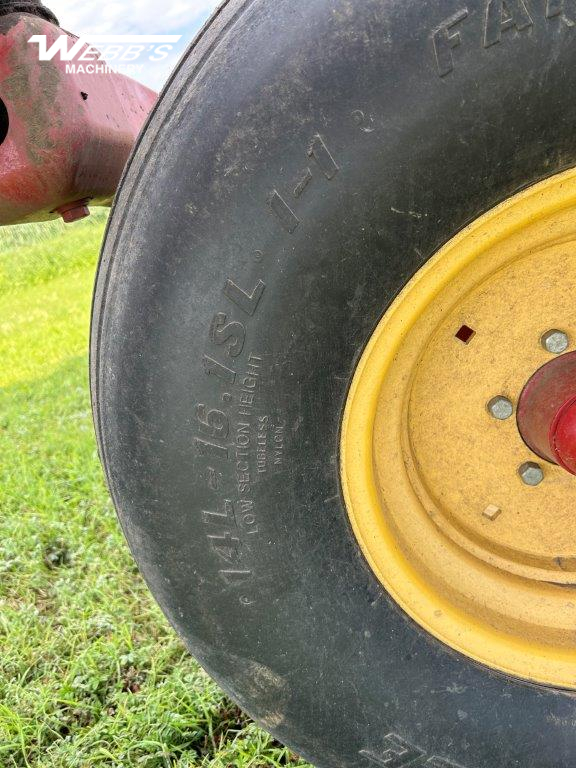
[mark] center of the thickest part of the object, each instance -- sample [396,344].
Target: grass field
[90,672]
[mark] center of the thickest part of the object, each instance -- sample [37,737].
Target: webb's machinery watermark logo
[114,53]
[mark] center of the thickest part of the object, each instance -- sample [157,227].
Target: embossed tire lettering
[307,160]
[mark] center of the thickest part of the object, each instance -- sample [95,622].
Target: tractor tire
[306,160]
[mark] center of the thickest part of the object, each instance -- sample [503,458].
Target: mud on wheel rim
[470,530]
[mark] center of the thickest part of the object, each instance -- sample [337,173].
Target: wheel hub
[464,513]
[547,412]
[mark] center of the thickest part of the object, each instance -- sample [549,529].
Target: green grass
[90,672]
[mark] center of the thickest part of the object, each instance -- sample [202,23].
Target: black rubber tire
[305,160]
[33,7]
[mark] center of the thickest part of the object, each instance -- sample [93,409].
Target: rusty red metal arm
[65,136]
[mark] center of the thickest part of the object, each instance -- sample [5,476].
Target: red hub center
[547,412]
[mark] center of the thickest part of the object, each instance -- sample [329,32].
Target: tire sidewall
[315,149]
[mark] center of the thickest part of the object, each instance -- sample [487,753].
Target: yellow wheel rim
[484,562]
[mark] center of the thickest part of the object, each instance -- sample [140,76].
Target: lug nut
[500,408]
[555,341]
[531,473]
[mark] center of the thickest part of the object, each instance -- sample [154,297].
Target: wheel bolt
[531,473]
[500,407]
[555,341]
